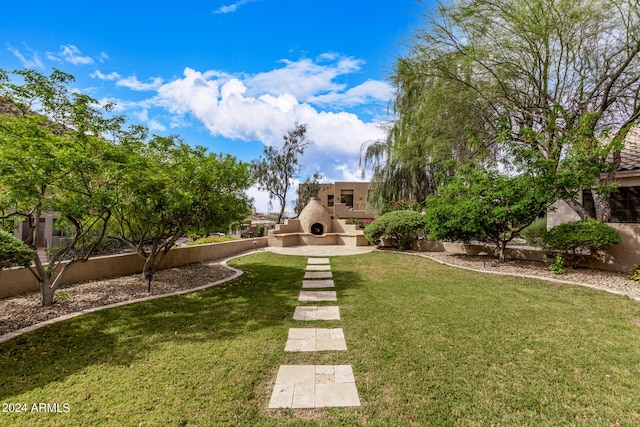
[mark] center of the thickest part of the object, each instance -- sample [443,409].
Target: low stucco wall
[514,252]
[15,281]
[622,257]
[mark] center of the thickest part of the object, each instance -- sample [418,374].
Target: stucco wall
[621,258]
[19,280]
[624,256]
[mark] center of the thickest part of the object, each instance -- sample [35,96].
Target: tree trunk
[502,246]
[577,207]
[47,286]
[283,205]
[603,207]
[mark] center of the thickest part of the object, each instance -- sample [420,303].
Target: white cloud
[101,76]
[72,54]
[133,83]
[152,124]
[303,78]
[261,107]
[227,110]
[33,62]
[155,125]
[52,57]
[232,7]
[369,91]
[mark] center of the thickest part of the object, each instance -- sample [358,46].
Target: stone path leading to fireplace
[315,386]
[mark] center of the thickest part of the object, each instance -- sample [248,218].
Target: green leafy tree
[547,81]
[169,189]
[275,171]
[308,189]
[485,205]
[54,157]
[14,252]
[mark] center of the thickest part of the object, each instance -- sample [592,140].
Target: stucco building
[344,200]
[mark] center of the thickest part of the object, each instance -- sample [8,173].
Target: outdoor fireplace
[314,218]
[317,229]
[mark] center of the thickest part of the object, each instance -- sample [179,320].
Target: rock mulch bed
[617,282]
[25,310]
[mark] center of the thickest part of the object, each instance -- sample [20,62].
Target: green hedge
[14,252]
[573,239]
[400,226]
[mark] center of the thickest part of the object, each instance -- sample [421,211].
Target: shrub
[635,274]
[575,239]
[401,226]
[535,232]
[14,252]
[558,266]
[211,239]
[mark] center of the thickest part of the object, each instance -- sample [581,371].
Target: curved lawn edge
[526,276]
[237,273]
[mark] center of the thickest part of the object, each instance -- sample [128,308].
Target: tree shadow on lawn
[263,299]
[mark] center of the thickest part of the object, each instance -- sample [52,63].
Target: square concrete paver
[315,339]
[312,284]
[318,275]
[315,296]
[318,261]
[317,313]
[314,386]
[318,267]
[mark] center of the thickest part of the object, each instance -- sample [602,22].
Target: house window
[588,203]
[625,204]
[56,232]
[330,200]
[346,197]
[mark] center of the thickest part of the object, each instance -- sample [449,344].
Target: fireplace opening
[317,229]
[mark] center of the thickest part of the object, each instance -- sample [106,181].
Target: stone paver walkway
[318,275]
[318,267]
[315,386]
[318,261]
[316,296]
[312,339]
[317,313]
[312,284]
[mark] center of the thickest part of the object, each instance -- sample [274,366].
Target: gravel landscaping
[25,310]
[611,281]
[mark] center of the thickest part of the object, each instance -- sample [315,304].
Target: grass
[429,345]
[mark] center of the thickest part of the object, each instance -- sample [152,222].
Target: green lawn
[429,345]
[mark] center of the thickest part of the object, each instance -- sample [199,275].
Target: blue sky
[232,75]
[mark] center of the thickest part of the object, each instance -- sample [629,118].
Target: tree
[14,252]
[485,205]
[308,189]
[437,123]
[550,80]
[277,168]
[169,189]
[54,157]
